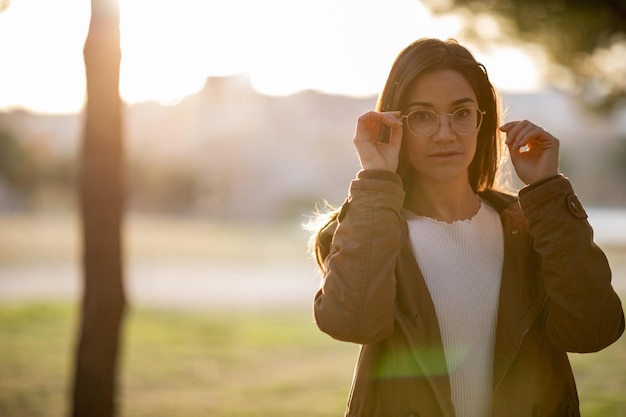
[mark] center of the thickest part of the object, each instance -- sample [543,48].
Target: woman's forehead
[439,88]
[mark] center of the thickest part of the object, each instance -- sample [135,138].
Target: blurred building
[228,151]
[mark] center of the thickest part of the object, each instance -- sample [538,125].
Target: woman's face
[444,156]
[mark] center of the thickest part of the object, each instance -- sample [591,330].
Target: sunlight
[340,47]
[512,69]
[167,52]
[41,53]
[285,46]
[170,48]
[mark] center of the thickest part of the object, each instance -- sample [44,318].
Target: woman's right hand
[372,153]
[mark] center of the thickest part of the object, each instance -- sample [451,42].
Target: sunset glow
[170,48]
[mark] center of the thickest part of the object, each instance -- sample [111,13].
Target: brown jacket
[555,297]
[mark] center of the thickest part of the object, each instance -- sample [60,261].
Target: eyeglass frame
[405,117]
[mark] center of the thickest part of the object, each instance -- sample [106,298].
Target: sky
[169,48]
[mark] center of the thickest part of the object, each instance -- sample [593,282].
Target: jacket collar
[497,199]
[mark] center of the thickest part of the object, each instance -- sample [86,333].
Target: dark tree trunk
[101,198]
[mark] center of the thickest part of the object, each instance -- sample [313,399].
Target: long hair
[428,55]
[423,56]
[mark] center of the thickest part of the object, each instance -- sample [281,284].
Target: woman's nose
[444,130]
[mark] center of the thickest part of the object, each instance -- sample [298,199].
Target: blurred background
[238,119]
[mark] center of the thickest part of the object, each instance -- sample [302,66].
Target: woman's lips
[445,154]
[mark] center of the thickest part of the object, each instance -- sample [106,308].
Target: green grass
[207,363]
[225,364]
[192,363]
[180,364]
[35,359]
[601,380]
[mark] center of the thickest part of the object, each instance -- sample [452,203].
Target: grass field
[180,364]
[220,364]
[207,362]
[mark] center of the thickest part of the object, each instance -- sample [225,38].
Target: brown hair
[423,56]
[427,55]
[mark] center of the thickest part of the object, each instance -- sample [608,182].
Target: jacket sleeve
[355,301]
[584,313]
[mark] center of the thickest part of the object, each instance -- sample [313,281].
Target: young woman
[465,300]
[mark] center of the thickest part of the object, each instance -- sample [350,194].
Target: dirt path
[196,285]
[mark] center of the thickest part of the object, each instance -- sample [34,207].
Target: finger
[395,137]
[511,126]
[391,116]
[521,133]
[372,120]
[368,126]
[528,135]
[511,129]
[381,124]
[508,126]
[391,127]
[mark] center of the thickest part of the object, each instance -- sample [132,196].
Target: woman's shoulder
[322,228]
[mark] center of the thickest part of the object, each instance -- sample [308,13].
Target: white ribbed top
[462,265]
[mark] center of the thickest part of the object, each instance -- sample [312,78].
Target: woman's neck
[444,202]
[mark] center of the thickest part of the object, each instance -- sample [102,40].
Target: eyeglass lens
[464,121]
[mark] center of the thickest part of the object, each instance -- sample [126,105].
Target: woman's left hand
[534,152]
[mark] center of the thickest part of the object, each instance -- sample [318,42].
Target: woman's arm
[584,312]
[355,302]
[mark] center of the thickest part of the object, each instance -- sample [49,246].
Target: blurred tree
[17,167]
[586,38]
[101,197]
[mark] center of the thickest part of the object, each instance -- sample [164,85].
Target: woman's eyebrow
[420,104]
[454,103]
[462,101]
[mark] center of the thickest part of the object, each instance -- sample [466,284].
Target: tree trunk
[101,201]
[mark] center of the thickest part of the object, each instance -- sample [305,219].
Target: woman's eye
[423,115]
[462,114]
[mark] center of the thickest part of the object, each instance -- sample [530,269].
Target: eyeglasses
[464,121]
